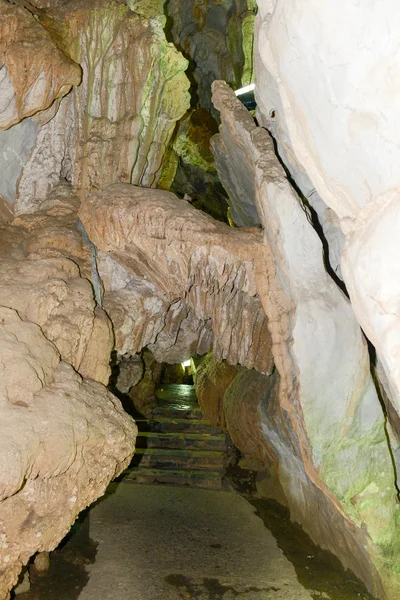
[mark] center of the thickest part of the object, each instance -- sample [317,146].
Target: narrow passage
[170,542]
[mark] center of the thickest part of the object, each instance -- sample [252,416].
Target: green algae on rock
[146,8]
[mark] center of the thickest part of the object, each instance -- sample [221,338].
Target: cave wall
[343,135]
[89,95]
[217,38]
[328,434]
[64,436]
[116,125]
[201,272]
[101,107]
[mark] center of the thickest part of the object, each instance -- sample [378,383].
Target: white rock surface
[333,89]
[325,390]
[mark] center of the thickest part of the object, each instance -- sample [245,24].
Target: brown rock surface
[244,402]
[130,370]
[211,382]
[187,255]
[143,394]
[63,438]
[236,399]
[117,124]
[33,70]
[43,260]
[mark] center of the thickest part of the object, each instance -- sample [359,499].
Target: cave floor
[142,542]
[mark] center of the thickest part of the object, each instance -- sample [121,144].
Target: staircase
[176,445]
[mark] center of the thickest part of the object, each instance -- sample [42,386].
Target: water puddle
[317,570]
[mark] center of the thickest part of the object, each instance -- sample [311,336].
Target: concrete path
[170,543]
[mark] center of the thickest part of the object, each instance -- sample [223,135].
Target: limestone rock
[143,394]
[134,306]
[218,38]
[183,335]
[24,584]
[33,70]
[42,562]
[211,381]
[117,124]
[190,170]
[131,371]
[147,8]
[203,188]
[244,402]
[143,317]
[192,142]
[187,255]
[62,439]
[239,184]
[340,124]
[43,261]
[326,407]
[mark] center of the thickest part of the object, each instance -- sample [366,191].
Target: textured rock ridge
[46,276]
[191,259]
[63,435]
[327,404]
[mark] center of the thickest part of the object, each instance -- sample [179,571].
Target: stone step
[178,393]
[165,458]
[181,440]
[202,479]
[172,411]
[176,425]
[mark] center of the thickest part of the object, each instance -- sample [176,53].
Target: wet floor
[170,543]
[316,569]
[179,396]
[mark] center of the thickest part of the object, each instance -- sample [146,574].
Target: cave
[200,393]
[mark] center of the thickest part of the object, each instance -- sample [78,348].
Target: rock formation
[117,124]
[211,381]
[63,435]
[34,72]
[327,406]
[93,97]
[196,265]
[189,168]
[143,393]
[352,162]
[114,126]
[217,38]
